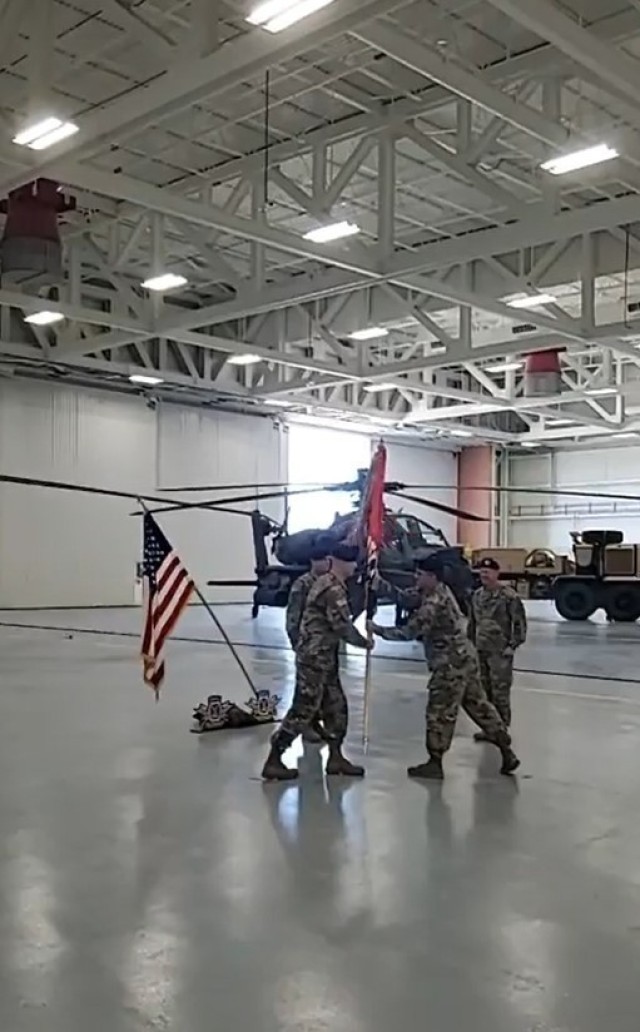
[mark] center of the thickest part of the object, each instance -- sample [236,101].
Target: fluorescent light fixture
[149,381]
[560,422]
[44,318]
[334,231]
[531,444]
[276,15]
[626,434]
[601,392]
[164,281]
[375,388]
[531,301]
[244,359]
[370,333]
[506,367]
[279,402]
[55,136]
[579,159]
[35,131]
[461,433]
[45,133]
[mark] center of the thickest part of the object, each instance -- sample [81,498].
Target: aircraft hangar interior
[319,409]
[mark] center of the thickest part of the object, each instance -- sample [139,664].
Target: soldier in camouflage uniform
[497,627]
[455,679]
[326,622]
[298,595]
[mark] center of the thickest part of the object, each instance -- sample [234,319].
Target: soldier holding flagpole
[371,534]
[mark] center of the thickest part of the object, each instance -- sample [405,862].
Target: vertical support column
[41,45]
[74,272]
[258,206]
[319,173]
[465,326]
[476,470]
[552,108]
[386,193]
[587,283]
[5,323]
[157,258]
[205,27]
[463,126]
[503,472]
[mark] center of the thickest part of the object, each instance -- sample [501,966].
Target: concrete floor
[149,881]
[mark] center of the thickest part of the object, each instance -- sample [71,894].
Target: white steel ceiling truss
[400,117]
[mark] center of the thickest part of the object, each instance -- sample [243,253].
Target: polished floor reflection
[150,881]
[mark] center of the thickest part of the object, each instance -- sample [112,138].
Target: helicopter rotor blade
[216,505]
[61,485]
[440,507]
[238,487]
[237,499]
[531,490]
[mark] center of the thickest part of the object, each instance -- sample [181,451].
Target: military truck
[531,572]
[606,576]
[602,572]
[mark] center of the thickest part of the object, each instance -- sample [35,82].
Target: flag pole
[371,531]
[226,638]
[367,670]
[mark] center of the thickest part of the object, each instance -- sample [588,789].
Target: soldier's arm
[471,625]
[339,618]
[518,622]
[408,598]
[295,607]
[416,627]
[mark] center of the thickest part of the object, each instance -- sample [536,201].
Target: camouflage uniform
[455,678]
[326,622]
[296,605]
[497,627]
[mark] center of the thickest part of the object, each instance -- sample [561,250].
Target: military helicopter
[407,538]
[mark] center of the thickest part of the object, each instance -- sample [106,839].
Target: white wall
[318,454]
[323,455]
[545,521]
[414,464]
[63,549]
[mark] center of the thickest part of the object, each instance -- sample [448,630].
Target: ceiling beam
[608,64]
[473,87]
[190,82]
[617,28]
[361,267]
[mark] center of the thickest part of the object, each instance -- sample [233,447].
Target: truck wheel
[575,599]
[622,603]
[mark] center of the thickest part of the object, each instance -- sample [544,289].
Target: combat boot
[275,770]
[510,761]
[430,771]
[338,764]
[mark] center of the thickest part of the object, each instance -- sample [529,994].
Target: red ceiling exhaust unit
[542,373]
[30,248]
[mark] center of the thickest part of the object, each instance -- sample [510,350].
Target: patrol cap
[321,547]
[341,550]
[488,563]
[430,564]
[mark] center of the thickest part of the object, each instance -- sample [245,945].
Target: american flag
[167,590]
